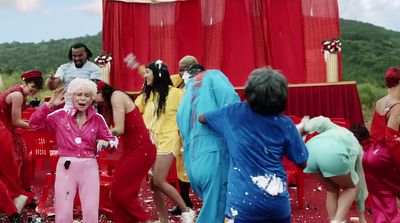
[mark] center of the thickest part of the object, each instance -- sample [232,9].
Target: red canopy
[234,36]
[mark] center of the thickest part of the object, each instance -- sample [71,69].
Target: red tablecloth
[335,100]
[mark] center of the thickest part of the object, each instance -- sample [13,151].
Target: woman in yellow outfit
[158,104]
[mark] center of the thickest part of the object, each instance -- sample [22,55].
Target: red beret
[31,73]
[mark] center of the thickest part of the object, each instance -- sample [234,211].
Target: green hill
[368,51]
[46,56]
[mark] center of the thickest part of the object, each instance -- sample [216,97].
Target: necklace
[80,119]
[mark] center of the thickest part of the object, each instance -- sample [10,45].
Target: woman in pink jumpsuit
[80,134]
[381,161]
[137,158]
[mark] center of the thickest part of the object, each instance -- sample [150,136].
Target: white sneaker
[20,202]
[188,216]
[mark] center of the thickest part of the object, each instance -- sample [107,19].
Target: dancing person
[335,160]
[205,153]
[184,64]
[138,156]
[381,160]
[183,180]
[79,67]
[158,104]
[80,134]
[257,137]
[14,157]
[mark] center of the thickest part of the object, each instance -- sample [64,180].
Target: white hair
[82,85]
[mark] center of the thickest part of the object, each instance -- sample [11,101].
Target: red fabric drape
[320,22]
[234,36]
[286,35]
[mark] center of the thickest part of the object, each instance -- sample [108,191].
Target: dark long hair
[161,83]
[106,91]
[38,81]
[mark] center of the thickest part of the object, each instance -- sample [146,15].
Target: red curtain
[235,36]
[320,22]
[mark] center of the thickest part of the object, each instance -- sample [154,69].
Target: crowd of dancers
[229,152]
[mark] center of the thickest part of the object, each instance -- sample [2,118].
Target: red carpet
[314,210]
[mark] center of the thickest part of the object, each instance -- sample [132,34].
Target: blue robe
[205,153]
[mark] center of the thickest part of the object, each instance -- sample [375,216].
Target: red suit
[382,172]
[137,158]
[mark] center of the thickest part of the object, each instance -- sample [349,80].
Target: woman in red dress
[381,161]
[12,147]
[138,154]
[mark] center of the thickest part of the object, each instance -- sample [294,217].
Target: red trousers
[127,179]
[6,204]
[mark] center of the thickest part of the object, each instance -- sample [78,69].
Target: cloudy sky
[42,20]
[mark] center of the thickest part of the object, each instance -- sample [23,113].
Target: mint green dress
[336,152]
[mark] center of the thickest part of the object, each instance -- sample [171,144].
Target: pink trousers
[82,175]
[383,184]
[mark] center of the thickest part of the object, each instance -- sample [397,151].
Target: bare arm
[53,82]
[119,110]
[16,99]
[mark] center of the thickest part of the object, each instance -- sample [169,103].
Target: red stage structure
[234,36]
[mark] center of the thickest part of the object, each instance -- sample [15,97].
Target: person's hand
[51,82]
[57,98]
[102,144]
[301,126]
[131,61]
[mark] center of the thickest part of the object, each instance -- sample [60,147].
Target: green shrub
[369,94]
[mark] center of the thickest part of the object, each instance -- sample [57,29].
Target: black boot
[15,218]
[32,205]
[184,192]
[184,187]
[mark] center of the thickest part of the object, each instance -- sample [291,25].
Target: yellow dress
[163,128]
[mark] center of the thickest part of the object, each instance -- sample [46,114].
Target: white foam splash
[234,212]
[272,184]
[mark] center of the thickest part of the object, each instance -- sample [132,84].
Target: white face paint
[186,77]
